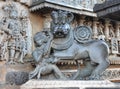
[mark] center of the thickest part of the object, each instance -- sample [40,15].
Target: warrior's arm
[48,44]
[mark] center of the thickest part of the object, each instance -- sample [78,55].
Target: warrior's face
[39,42]
[40,38]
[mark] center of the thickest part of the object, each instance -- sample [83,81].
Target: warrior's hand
[50,35]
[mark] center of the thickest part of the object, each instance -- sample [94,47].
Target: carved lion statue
[78,44]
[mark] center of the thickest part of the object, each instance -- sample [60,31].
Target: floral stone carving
[83,34]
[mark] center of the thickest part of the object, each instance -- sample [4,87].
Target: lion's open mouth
[60,33]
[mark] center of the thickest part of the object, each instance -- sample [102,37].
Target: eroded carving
[101,35]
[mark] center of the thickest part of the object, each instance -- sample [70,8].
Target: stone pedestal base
[69,84]
[13,72]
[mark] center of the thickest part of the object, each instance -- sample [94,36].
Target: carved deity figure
[111,33]
[101,35]
[16,41]
[100,29]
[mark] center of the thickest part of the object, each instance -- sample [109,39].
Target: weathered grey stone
[60,25]
[41,56]
[84,49]
[65,47]
[16,78]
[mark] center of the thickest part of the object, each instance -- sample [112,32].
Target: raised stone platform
[69,84]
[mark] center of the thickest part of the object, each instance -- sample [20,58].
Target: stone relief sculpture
[42,56]
[3,42]
[114,41]
[100,29]
[114,45]
[101,35]
[26,30]
[3,45]
[112,34]
[15,45]
[68,44]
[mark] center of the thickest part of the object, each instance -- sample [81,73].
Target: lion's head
[60,25]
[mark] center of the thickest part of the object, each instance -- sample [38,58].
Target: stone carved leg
[100,57]
[21,57]
[58,72]
[17,53]
[78,71]
[11,56]
[34,72]
[46,69]
[86,71]
[39,74]
[6,51]
[99,69]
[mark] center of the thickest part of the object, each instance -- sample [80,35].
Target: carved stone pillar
[107,21]
[117,30]
[82,19]
[95,32]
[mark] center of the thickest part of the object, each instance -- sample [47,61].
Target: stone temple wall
[18,26]
[34,22]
